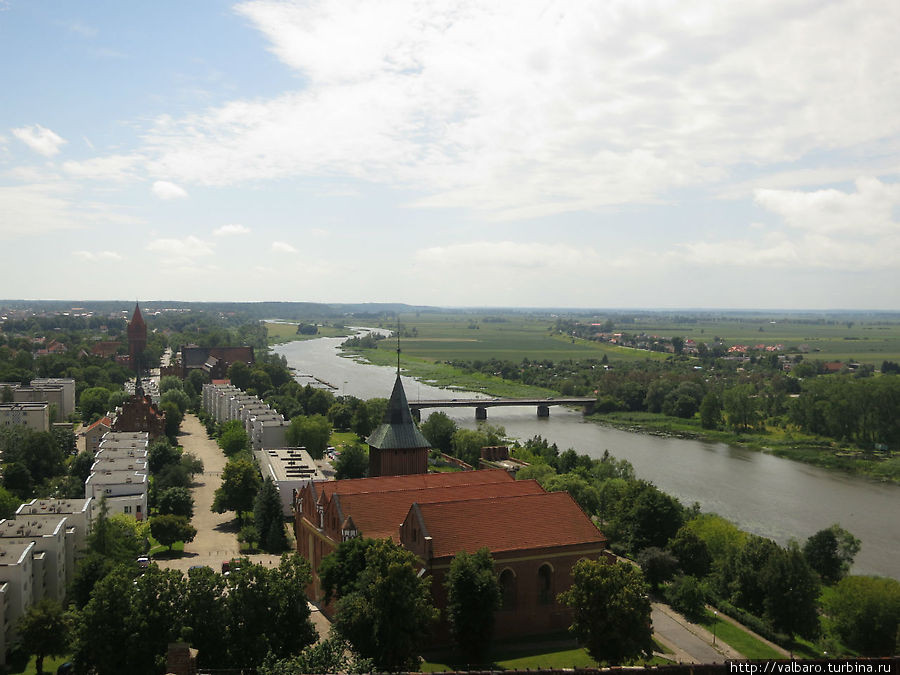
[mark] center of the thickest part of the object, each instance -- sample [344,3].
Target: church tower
[137,338]
[397,447]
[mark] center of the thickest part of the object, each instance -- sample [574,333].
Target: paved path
[216,539]
[689,642]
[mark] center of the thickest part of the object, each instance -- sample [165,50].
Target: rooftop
[420,480]
[545,520]
[379,514]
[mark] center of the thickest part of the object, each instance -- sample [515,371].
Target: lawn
[50,665]
[739,639]
[520,657]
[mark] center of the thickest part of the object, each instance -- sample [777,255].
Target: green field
[287,332]
[459,336]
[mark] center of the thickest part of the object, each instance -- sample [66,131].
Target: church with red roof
[534,536]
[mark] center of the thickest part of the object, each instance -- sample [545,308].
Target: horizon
[464,154]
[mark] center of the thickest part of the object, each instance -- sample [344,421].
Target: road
[216,539]
[689,642]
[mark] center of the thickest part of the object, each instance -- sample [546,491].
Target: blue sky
[578,154]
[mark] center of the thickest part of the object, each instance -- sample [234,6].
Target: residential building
[35,416]
[16,565]
[291,469]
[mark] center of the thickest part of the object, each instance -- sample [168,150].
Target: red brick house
[535,536]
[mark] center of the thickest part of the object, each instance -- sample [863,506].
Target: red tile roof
[522,522]
[414,481]
[105,421]
[379,514]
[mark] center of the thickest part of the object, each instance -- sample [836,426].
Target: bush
[686,595]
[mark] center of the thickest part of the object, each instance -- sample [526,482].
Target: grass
[51,663]
[520,657]
[287,332]
[739,639]
[157,549]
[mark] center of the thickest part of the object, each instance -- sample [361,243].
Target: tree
[583,492]
[173,418]
[686,595]
[233,441]
[864,611]
[191,463]
[167,529]
[691,552]
[161,454]
[467,445]
[353,462]
[43,632]
[268,518]
[8,503]
[710,411]
[170,382]
[179,398]
[332,655]
[439,430]
[741,407]
[611,611]
[339,570]
[473,595]
[81,465]
[268,612]
[792,592]
[830,553]
[657,565]
[240,483]
[175,501]
[93,402]
[311,433]
[389,615]
[239,374]
[650,518]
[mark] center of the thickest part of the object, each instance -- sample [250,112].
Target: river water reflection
[767,495]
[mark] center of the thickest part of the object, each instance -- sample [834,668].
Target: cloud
[166,190]
[508,255]
[187,247]
[534,109]
[870,210]
[98,256]
[82,29]
[34,209]
[283,247]
[827,230]
[117,168]
[231,230]
[40,139]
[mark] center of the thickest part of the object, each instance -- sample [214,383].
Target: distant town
[174,499]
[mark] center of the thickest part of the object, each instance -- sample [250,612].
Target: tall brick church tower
[397,447]
[137,338]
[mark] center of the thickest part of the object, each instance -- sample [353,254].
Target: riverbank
[278,333]
[819,452]
[799,447]
[449,377]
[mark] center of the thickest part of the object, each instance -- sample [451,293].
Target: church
[534,536]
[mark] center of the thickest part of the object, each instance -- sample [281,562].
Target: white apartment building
[125,491]
[291,469]
[16,566]
[35,416]
[67,385]
[52,549]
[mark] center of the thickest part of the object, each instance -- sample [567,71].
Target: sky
[614,153]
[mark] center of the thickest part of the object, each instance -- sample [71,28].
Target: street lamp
[715,621]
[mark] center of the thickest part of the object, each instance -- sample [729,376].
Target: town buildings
[35,416]
[38,551]
[535,537]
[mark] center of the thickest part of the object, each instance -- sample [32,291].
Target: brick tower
[137,339]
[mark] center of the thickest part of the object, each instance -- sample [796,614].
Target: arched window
[545,584]
[508,589]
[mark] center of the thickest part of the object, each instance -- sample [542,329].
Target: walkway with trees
[216,539]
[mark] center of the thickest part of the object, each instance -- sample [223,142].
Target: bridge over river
[482,404]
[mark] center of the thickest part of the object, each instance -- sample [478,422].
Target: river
[766,495]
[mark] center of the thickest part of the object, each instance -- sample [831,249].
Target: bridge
[482,404]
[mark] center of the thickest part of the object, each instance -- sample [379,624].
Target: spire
[137,317]
[398,344]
